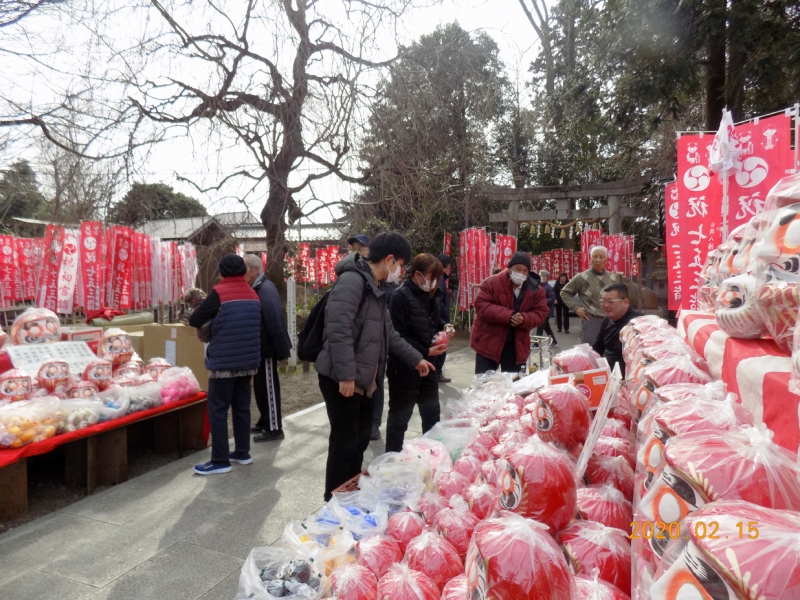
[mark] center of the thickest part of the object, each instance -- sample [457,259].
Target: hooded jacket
[494,307]
[359,336]
[275,342]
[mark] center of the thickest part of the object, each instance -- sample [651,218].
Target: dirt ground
[46,489]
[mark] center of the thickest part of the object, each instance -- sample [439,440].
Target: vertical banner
[547,261]
[27,266]
[311,269]
[121,269]
[471,266]
[673,246]
[493,254]
[487,255]
[463,301]
[8,271]
[555,262]
[68,273]
[303,257]
[765,156]
[536,263]
[448,242]
[576,265]
[506,246]
[333,258]
[91,259]
[322,259]
[700,206]
[53,253]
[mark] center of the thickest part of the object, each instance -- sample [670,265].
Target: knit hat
[520,258]
[232,265]
[445,260]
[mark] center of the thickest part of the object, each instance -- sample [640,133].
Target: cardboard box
[179,345]
[127,328]
[90,335]
[591,383]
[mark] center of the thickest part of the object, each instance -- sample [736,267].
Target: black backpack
[311,339]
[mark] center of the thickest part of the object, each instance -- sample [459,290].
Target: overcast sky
[503,20]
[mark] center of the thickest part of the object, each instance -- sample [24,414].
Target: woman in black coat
[416,316]
[562,310]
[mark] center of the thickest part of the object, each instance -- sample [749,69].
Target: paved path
[172,535]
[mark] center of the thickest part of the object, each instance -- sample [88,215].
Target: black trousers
[351,426]
[508,361]
[545,328]
[267,388]
[233,393]
[402,400]
[438,362]
[377,405]
[562,316]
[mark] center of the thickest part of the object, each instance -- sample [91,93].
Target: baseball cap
[359,238]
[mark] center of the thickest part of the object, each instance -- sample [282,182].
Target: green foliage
[150,201]
[19,195]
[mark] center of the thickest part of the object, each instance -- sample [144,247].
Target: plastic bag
[431,451]
[611,470]
[735,308]
[452,483]
[678,369]
[378,553]
[479,451]
[429,505]
[538,482]
[403,583]
[327,550]
[596,589]
[481,498]
[27,421]
[54,376]
[715,390]
[177,383]
[36,326]
[605,504]
[491,471]
[615,428]
[744,464]
[608,446]
[363,514]
[402,474]
[15,385]
[562,415]
[77,414]
[456,524]
[115,403]
[455,589]
[591,546]
[353,582]
[455,434]
[115,346]
[512,558]
[144,397]
[708,279]
[279,570]
[469,466]
[433,555]
[754,553]
[403,527]
[513,438]
[99,372]
[575,360]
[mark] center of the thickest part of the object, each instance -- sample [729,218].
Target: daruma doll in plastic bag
[735,308]
[481,498]
[512,558]
[429,505]
[456,524]
[744,464]
[606,505]
[708,279]
[378,553]
[15,385]
[432,554]
[98,372]
[116,346]
[562,415]
[54,373]
[538,482]
[156,366]
[403,527]
[36,326]
[751,553]
[577,359]
[611,470]
[596,589]
[451,483]
[353,582]
[455,589]
[590,546]
[678,369]
[82,389]
[404,583]
[608,446]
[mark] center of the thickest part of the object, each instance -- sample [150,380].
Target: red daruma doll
[36,326]
[15,385]
[99,373]
[53,373]
[562,415]
[116,346]
[156,366]
[512,558]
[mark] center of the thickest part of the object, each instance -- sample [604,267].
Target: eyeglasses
[609,302]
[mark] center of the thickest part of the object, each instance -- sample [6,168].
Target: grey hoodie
[358,340]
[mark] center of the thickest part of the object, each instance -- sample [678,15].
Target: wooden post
[614,219]
[513,220]
[14,490]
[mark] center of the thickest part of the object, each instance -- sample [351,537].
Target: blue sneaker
[212,468]
[241,457]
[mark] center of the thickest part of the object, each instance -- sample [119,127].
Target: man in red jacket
[508,306]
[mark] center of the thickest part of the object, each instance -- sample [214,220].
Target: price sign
[29,358]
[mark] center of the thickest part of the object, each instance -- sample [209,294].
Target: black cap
[359,238]
[520,258]
[232,265]
[445,260]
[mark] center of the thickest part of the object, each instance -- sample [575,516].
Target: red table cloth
[758,371]
[11,455]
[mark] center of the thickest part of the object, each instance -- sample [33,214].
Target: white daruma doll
[53,373]
[156,366]
[36,326]
[15,385]
[82,390]
[116,346]
[99,373]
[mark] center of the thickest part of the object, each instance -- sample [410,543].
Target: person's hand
[437,350]
[516,319]
[347,388]
[450,334]
[582,314]
[424,367]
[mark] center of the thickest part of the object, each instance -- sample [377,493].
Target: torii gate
[563,195]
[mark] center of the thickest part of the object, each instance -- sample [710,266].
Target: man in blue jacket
[275,346]
[232,358]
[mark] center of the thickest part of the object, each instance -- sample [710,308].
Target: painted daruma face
[14,385]
[99,373]
[779,254]
[52,374]
[116,346]
[736,310]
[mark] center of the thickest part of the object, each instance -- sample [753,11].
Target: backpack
[311,340]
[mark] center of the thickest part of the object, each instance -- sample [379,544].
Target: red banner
[333,258]
[536,263]
[303,257]
[28,265]
[122,268]
[91,264]
[506,246]
[53,253]
[589,239]
[8,271]
[673,246]
[448,242]
[765,151]
[700,210]
[463,300]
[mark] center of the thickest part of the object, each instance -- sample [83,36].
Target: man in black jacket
[618,311]
[275,346]
[444,304]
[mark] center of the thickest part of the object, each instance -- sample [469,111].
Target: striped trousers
[267,388]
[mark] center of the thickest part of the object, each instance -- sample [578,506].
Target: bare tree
[286,79]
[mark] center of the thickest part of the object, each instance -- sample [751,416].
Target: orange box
[591,383]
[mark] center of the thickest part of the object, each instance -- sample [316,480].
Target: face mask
[393,276]
[427,286]
[517,278]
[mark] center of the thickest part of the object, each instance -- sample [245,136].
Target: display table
[98,455]
[757,371]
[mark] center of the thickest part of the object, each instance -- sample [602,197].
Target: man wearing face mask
[507,307]
[358,337]
[588,287]
[359,243]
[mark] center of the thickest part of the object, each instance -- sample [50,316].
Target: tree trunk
[272,216]
[740,16]
[715,65]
